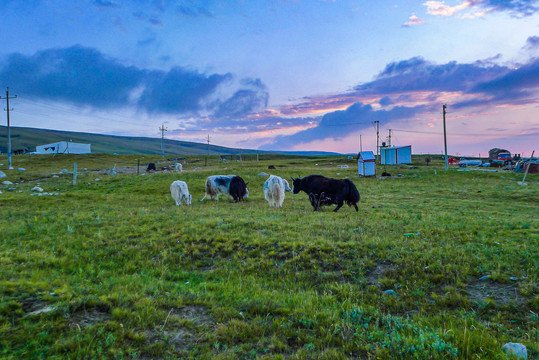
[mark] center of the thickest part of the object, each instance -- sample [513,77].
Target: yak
[231,185]
[327,191]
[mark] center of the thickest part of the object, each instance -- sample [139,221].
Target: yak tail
[353,194]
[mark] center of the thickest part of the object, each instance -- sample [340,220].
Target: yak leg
[339,205]
[318,203]
[314,201]
[355,205]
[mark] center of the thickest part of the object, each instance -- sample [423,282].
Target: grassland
[111,269]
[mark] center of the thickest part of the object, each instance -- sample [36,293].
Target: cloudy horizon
[280,75]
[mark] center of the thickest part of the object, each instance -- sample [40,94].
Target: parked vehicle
[464,163]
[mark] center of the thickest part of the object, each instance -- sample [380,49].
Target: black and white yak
[231,185]
[327,191]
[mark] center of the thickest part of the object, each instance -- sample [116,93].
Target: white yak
[274,189]
[180,192]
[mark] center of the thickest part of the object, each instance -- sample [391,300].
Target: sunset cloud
[413,20]
[406,89]
[338,124]
[518,8]
[440,9]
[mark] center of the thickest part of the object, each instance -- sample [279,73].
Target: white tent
[63,147]
[396,155]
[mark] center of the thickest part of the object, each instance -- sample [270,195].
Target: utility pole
[377,138]
[389,139]
[7,109]
[163,129]
[206,160]
[445,139]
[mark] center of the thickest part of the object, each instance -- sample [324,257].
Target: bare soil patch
[178,336]
[196,314]
[381,269]
[88,317]
[505,293]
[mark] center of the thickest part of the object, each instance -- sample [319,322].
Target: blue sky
[279,74]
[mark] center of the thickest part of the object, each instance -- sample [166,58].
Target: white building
[366,163]
[396,155]
[63,147]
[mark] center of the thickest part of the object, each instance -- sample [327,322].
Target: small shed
[63,147]
[396,155]
[366,163]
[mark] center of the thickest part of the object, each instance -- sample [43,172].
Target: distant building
[63,147]
[396,155]
[366,163]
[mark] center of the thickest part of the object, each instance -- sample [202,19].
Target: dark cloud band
[85,77]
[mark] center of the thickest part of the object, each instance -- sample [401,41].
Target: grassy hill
[27,139]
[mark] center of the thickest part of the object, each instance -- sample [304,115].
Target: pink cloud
[440,9]
[414,20]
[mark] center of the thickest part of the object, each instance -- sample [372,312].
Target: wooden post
[527,169]
[75,174]
[138,166]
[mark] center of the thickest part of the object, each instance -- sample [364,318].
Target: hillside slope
[26,139]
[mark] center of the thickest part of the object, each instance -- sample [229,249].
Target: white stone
[21,169]
[2,174]
[7,183]
[517,349]
[44,310]
[37,189]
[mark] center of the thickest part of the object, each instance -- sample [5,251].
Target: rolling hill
[26,139]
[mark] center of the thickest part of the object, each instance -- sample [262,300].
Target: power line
[78,113]
[352,123]
[460,134]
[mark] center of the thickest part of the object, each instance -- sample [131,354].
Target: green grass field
[112,269]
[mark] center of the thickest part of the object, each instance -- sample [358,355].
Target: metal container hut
[396,155]
[366,163]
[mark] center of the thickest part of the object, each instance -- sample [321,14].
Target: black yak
[327,191]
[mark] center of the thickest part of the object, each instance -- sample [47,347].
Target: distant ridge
[26,139]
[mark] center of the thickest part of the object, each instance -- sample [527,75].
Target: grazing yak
[178,167]
[151,166]
[232,185]
[274,189]
[327,191]
[180,192]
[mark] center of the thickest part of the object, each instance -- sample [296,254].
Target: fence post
[138,165]
[75,174]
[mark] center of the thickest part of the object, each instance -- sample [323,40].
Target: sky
[312,75]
